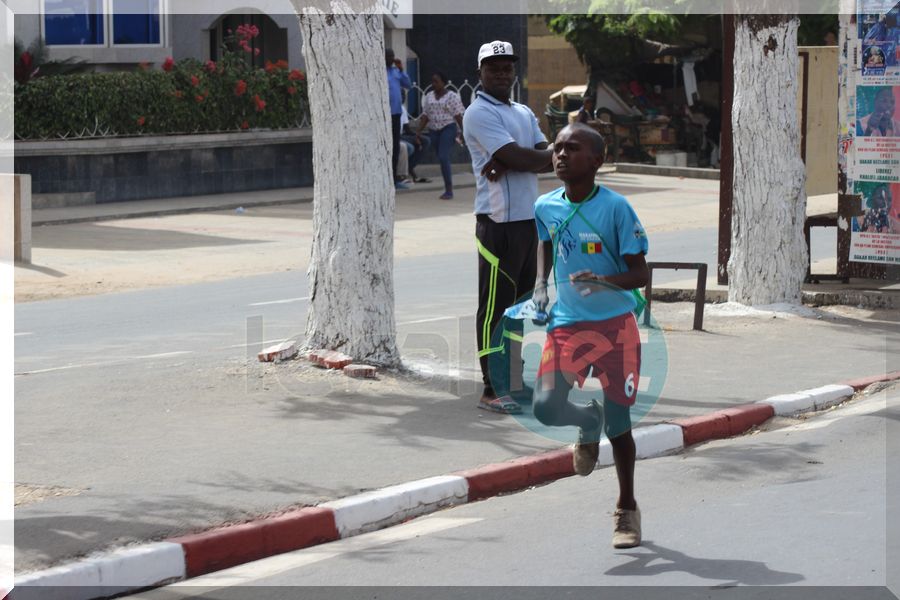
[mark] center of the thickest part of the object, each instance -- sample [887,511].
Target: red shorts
[612,348]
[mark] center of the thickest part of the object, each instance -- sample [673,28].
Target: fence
[465,90]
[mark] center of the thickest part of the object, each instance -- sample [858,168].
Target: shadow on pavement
[729,572]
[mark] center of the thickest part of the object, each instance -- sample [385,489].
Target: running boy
[594,243]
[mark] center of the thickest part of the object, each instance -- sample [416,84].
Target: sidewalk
[462,178]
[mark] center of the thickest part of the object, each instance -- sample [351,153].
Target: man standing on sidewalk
[397,81]
[508,149]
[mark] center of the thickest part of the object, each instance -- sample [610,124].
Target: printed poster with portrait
[879,35]
[877,144]
[875,235]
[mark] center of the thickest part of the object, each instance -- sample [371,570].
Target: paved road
[814,503]
[193,434]
[140,415]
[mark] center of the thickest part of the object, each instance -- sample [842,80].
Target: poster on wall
[876,111]
[875,235]
[879,34]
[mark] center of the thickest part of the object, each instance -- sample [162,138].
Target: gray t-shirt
[488,125]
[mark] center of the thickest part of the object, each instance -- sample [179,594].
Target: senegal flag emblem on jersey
[591,248]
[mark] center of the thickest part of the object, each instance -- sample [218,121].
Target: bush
[184,97]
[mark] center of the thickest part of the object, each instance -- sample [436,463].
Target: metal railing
[102,131]
[466,92]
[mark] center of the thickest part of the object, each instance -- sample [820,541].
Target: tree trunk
[351,267]
[768,250]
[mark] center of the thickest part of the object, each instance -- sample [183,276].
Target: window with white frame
[102,23]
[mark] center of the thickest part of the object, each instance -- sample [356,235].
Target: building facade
[120,34]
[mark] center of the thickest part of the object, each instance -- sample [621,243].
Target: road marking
[286,301]
[23,333]
[263,343]
[105,363]
[434,320]
[163,355]
[282,563]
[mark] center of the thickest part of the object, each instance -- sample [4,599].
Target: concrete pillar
[22,219]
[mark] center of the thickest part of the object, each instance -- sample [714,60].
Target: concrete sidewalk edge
[151,565]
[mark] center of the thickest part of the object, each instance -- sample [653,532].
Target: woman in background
[442,116]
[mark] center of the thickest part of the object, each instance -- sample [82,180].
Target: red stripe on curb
[741,418]
[491,480]
[864,382]
[724,423]
[548,466]
[231,546]
[713,426]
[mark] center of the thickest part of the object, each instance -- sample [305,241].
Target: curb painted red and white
[184,557]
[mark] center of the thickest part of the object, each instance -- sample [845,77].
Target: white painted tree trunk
[768,251]
[351,268]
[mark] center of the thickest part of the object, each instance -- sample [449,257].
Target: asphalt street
[146,410]
[808,503]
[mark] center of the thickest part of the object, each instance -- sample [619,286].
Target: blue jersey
[604,229]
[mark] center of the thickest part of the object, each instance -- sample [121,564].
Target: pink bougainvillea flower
[195,81]
[169,64]
[296,75]
[292,90]
[199,98]
[245,125]
[256,51]
[247,31]
[210,66]
[141,121]
[260,103]
[240,88]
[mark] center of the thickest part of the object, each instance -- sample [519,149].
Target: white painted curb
[790,404]
[375,510]
[106,575]
[809,400]
[658,440]
[830,395]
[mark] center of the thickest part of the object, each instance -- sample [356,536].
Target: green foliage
[184,97]
[610,36]
[33,62]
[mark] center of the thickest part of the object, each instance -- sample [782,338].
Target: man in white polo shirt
[508,150]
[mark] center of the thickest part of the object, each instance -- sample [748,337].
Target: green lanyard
[638,296]
[565,223]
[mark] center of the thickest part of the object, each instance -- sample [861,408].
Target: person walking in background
[586,112]
[443,116]
[508,150]
[397,82]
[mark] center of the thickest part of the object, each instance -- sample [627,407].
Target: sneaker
[627,533]
[584,457]
[586,451]
[401,186]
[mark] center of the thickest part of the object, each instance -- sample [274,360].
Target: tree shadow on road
[656,560]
